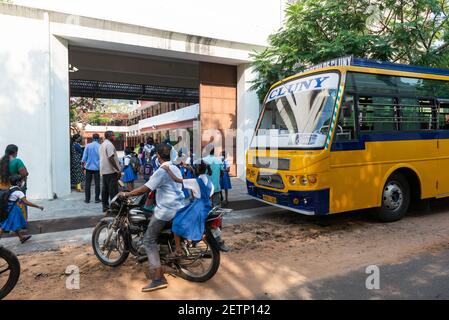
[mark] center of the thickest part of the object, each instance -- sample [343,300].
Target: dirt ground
[273,258]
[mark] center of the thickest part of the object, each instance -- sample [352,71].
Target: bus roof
[377,64]
[348,62]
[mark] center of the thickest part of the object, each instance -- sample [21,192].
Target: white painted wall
[23,97]
[90,128]
[60,122]
[209,18]
[248,108]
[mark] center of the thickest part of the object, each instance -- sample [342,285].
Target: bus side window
[443,116]
[376,114]
[416,114]
[345,130]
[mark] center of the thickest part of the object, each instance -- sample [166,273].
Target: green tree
[80,111]
[405,31]
[97,118]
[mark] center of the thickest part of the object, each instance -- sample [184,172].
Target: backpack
[148,170]
[4,199]
[134,163]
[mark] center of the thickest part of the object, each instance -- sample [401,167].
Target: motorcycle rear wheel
[206,252]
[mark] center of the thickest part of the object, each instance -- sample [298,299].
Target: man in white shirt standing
[169,199]
[109,169]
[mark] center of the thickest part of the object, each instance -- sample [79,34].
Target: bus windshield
[297,113]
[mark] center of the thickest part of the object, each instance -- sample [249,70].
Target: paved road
[423,277]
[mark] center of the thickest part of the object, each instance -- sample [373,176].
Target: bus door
[443,148]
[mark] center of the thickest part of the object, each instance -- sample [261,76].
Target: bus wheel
[395,199]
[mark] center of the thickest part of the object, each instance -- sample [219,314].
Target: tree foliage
[404,31]
[81,111]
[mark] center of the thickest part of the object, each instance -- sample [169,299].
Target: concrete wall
[59,115]
[248,108]
[208,18]
[31,87]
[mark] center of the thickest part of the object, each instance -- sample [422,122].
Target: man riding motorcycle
[169,199]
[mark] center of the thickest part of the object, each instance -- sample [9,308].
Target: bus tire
[395,199]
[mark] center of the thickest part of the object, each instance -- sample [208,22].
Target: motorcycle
[122,231]
[9,271]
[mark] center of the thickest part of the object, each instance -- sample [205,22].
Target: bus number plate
[269,198]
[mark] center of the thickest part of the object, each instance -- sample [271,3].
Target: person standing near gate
[91,162]
[109,169]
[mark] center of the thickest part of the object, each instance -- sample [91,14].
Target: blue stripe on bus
[317,201]
[393,136]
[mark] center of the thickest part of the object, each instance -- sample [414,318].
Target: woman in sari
[76,167]
[10,165]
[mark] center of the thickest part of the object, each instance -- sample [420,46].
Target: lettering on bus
[297,86]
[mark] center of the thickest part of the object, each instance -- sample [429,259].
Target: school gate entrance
[120,61]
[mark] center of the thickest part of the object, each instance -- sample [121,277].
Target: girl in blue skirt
[129,175]
[15,221]
[225,180]
[189,221]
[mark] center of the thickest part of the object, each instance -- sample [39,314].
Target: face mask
[22,184]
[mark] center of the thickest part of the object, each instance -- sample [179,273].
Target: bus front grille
[270,180]
[271,163]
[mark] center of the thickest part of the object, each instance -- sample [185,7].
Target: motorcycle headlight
[115,206]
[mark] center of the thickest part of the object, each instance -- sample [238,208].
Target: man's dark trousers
[89,175]
[110,189]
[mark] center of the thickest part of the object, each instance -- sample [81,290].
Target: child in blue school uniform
[225,180]
[15,221]
[129,173]
[189,221]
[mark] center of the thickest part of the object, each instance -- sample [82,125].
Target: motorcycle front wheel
[9,271]
[201,263]
[108,245]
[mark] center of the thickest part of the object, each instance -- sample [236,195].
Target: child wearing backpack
[12,216]
[129,169]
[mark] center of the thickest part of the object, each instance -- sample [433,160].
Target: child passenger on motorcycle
[189,221]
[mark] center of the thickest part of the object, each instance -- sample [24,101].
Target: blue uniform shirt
[91,156]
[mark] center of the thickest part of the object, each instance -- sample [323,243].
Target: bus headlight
[312,178]
[303,180]
[308,180]
[251,172]
[291,179]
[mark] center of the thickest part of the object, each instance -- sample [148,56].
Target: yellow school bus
[351,134]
